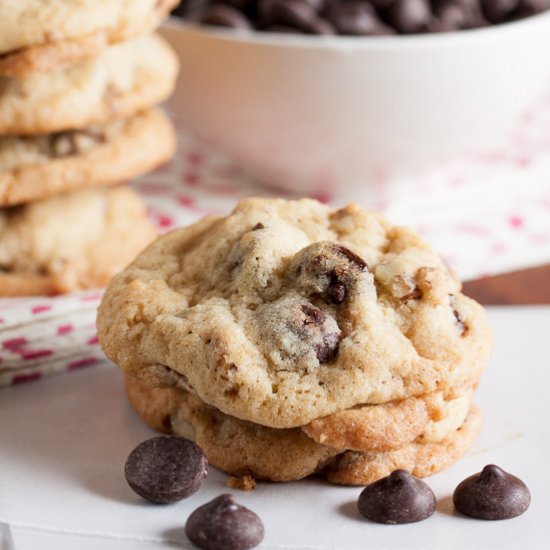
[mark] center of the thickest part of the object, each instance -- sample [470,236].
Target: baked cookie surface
[35,167]
[126,79]
[287,311]
[70,241]
[45,35]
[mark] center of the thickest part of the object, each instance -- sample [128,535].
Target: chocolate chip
[498,10]
[259,225]
[409,16]
[398,498]
[224,16]
[300,14]
[363,17]
[532,7]
[356,17]
[492,494]
[166,469]
[459,318]
[325,342]
[336,290]
[327,269]
[313,315]
[351,257]
[222,524]
[451,15]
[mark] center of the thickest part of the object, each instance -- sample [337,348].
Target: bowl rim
[501,31]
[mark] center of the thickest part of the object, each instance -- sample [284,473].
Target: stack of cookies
[295,339]
[79,82]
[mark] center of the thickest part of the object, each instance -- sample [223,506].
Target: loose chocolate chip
[498,10]
[409,16]
[492,494]
[166,469]
[224,16]
[398,498]
[222,524]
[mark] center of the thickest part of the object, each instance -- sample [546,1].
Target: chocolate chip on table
[166,469]
[492,494]
[398,498]
[222,524]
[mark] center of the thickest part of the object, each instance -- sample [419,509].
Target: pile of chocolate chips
[358,17]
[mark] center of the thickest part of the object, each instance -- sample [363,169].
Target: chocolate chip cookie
[62,32]
[287,311]
[126,79]
[36,167]
[240,447]
[70,241]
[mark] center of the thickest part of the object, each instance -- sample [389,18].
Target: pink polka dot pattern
[485,213]
[43,336]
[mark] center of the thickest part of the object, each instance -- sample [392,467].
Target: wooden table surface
[530,286]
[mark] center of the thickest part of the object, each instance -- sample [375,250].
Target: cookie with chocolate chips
[35,167]
[63,32]
[239,447]
[124,80]
[284,312]
[70,241]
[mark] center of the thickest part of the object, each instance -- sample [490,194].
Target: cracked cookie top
[287,311]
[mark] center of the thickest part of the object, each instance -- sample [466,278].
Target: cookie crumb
[243,483]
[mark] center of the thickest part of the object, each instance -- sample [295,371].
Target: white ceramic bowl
[303,112]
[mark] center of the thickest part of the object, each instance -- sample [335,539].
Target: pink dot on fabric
[186,201]
[523,161]
[36,354]
[40,309]
[93,340]
[2,320]
[498,248]
[194,158]
[81,363]
[91,298]
[28,377]
[516,221]
[64,329]
[164,221]
[14,344]
[190,178]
